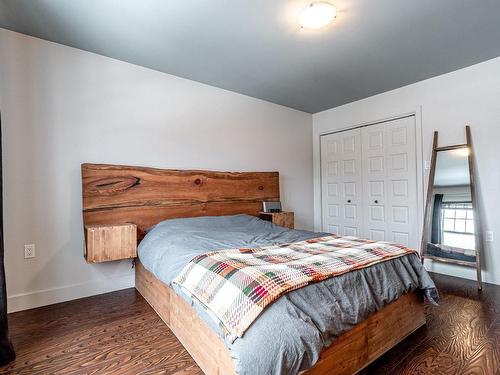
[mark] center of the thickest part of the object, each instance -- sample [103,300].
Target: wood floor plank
[118,333]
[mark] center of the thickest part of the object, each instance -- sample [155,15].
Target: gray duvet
[289,335]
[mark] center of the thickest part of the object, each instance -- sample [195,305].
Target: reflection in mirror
[451,234]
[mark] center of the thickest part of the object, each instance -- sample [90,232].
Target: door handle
[376,201]
[348,201]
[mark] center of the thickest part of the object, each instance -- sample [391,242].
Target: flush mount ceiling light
[317,15]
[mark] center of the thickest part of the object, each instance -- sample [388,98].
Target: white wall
[446,104]
[62,106]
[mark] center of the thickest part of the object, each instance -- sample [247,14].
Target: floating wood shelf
[110,242]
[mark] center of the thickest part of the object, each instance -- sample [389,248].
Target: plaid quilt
[235,285]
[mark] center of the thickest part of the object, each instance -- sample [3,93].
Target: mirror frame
[477,217]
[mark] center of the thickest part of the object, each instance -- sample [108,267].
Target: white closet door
[341,183]
[390,181]
[375,182]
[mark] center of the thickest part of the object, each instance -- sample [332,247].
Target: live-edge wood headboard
[116,194]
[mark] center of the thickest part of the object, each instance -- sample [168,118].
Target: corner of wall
[43,297]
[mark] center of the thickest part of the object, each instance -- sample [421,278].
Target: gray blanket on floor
[290,334]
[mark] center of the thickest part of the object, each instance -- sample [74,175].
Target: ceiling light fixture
[317,15]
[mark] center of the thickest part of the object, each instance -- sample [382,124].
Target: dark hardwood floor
[118,333]
[462,334]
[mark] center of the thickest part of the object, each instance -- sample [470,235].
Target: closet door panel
[331,174]
[351,183]
[331,160]
[389,177]
[374,182]
[341,183]
[402,181]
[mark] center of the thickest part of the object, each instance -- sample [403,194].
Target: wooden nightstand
[110,242]
[284,219]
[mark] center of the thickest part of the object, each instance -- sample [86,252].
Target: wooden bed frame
[115,194]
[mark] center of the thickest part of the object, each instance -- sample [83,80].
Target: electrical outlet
[489,236]
[427,164]
[29,251]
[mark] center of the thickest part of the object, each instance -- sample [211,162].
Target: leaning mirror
[451,232]
[452,216]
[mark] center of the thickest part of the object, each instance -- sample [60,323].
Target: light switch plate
[489,236]
[29,251]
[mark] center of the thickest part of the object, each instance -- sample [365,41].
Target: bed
[147,197]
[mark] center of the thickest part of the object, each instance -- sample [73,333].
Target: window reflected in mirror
[452,233]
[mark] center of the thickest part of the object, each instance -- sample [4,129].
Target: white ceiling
[255,47]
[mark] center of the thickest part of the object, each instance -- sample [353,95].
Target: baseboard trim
[458,271]
[31,300]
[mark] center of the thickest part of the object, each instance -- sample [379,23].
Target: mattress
[289,335]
